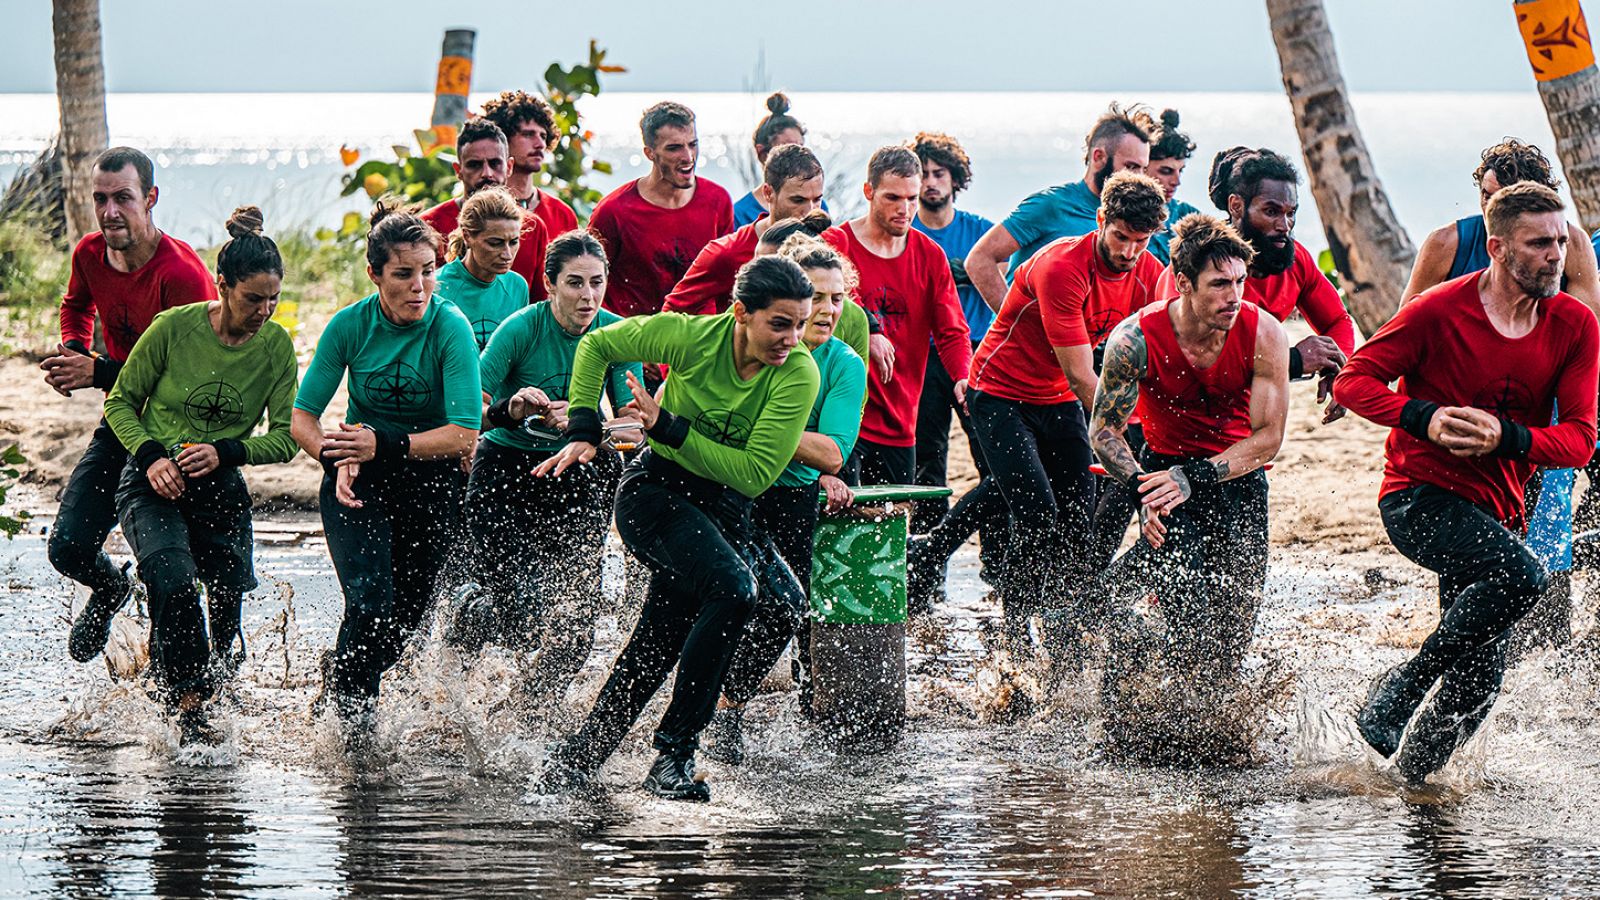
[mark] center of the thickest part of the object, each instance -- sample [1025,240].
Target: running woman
[905,284]
[1170,150]
[393,483]
[788,510]
[539,541]
[1481,362]
[776,129]
[530,129]
[728,423]
[185,405]
[126,272]
[482,162]
[1209,376]
[478,278]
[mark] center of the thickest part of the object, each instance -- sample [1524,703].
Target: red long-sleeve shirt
[529,261]
[914,298]
[1442,348]
[127,301]
[707,287]
[1302,286]
[556,216]
[651,247]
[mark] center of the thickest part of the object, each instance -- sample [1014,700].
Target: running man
[126,272]
[530,129]
[185,405]
[1481,361]
[1209,376]
[654,226]
[1118,142]
[776,129]
[905,284]
[482,161]
[1170,150]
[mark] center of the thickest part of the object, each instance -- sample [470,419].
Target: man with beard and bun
[127,272]
[905,284]
[654,226]
[791,187]
[530,130]
[1482,361]
[1118,142]
[1209,376]
[1028,376]
[482,161]
[1259,190]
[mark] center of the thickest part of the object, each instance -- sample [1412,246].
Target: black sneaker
[194,727]
[358,723]
[1390,703]
[562,773]
[672,777]
[724,737]
[92,628]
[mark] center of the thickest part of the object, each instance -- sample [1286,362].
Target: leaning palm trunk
[1557,40]
[81,92]
[1370,249]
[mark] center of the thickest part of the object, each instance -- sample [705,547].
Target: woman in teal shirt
[478,279]
[393,483]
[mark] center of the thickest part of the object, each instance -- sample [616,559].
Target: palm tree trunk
[81,92]
[1370,249]
[1557,39]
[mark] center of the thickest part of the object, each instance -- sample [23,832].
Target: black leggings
[934,408]
[1039,457]
[88,512]
[694,536]
[389,555]
[788,517]
[1116,506]
[538,545]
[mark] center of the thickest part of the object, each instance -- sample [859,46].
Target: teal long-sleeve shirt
[837,410]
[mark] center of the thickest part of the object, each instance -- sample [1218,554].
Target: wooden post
[81,94]
[1557,40]
[453,84]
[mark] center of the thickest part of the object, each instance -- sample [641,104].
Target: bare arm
[1583,278]
[306,430]
[1078,363]
[986,264]
[444,442]
[1115,397]
[1269,405]
[357,444]
[820,452]
[1434,258]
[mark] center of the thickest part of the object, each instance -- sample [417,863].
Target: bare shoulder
[1441,240]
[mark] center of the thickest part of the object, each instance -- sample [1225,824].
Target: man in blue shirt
[1170,150]
[1118,142]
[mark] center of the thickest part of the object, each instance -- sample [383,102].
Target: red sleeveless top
[1195,412]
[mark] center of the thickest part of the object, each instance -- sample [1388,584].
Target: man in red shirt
[791,187]
[530,128]
[126,272]
[482,160]
[1209,377]
[654,226]
[1481,362]
[1035,363]
[907,287]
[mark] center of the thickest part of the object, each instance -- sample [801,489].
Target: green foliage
[569,159]
[426,178]
[10,459]
[1326,264]
[33,270]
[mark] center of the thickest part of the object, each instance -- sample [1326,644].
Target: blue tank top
[1472,247]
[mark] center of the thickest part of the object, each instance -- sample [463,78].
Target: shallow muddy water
[996,790]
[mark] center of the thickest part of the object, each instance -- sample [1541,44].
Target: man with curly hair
[530,128]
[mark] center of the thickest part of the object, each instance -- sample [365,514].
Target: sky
[807,45]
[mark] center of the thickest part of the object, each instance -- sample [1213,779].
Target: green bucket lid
[895,493]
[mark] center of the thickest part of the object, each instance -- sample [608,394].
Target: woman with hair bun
[478,278]
[774,130]
[185,405]
[1170,150]
[393,484]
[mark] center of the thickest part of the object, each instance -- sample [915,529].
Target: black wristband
[669,429]
[148,454]
[874,324]
[393,446]
[231,452]
[583,424]
[1297,364]
[105,372]
[1515,440]
[499,415]
[1199,472]
[1415,416]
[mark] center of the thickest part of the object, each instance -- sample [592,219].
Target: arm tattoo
[1222,469]
[1116,398]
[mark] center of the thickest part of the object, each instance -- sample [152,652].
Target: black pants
[1115,507]
[883,464]
[1488,580]
[538,545]
[389,555]
[788,517]
[1039,463]
[88,512]
[1207,574]
[695,537]
[934,407]
[204,536]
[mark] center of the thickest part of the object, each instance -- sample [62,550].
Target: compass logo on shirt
[1195,395]
[120,324]
[555,387]
[1100,326]
[483,329]
[725,426]
[213,407]
[888,305]
[397,387]
[674,262]
[1506,397]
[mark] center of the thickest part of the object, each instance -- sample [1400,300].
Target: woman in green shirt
[393,483]
[730,417]
[538,542]
[185,405]
[478,279]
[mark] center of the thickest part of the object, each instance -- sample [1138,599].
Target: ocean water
[280,151]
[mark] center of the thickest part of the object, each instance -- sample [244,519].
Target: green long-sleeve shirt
[531,349]
[409,378]
[853,328]
[181,384]
[837,411]
[743,431]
